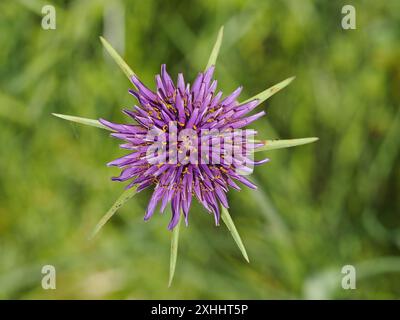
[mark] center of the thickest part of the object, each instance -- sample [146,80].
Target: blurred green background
[318,208]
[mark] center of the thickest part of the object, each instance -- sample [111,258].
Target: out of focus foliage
[318,208]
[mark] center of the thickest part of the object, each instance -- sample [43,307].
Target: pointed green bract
[117,58]
[125,196]
[262,96]
[85,121]
[279,144]
[235,234]
[174,252]
[215,51]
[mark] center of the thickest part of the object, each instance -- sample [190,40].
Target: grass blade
[279,144]
[125,196]
[264,95]
[117,58]
[215,51]
[174,252]
[231,227]
[85,121]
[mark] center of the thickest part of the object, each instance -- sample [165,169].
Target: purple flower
[207,165]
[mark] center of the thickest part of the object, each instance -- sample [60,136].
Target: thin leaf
[231,227]
[278,144]
[117,58]
[174,252]
[262,96]
[214,53]
[125,196]
[85,121]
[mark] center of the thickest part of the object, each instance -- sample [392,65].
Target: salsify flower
[199,108]
[180,170]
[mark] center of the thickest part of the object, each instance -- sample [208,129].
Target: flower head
[186,140]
